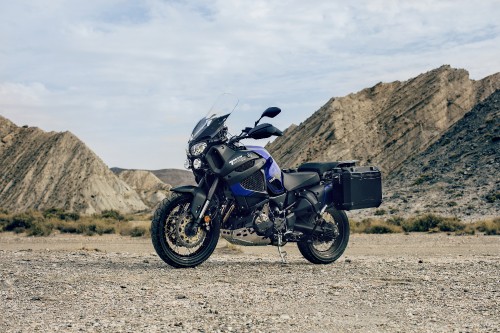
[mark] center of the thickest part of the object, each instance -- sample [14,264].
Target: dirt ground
[383,283]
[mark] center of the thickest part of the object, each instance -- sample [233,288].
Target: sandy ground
[383,283]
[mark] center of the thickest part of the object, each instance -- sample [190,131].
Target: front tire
[172,239]
[323,252]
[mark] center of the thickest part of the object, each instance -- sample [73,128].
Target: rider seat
[322,167]
[297,180]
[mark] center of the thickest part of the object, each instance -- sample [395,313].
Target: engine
[256,229]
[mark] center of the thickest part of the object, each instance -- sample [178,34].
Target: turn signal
[206,219]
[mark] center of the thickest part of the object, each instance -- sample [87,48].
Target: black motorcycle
[243,196]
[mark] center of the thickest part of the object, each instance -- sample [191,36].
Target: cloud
[126,76]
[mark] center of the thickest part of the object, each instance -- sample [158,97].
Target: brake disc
[182,238]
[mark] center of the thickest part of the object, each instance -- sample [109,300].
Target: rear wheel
[173,239]
[321,251]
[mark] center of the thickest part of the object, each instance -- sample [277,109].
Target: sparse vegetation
[492,197]
[489,227]
[45,223]
[374,226]
[431,222]
[60,214]
[35,223]
[112,214]
[425,177]
[425,223]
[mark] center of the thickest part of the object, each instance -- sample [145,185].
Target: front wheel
[320,251]
[174,240]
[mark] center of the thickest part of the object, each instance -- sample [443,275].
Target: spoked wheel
[326,251]
[173,238]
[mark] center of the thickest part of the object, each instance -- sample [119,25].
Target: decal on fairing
[272,171]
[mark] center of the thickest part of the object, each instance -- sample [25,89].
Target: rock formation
[386,124]
[149,187]
[458,174]
[40,170]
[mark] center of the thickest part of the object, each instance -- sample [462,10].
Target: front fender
[199,197]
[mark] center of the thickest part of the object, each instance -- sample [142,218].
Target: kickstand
[283,254]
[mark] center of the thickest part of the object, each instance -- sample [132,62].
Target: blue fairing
[274,177]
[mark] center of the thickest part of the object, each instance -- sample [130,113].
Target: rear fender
[199,197]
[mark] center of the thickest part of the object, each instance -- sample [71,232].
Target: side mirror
[270,112]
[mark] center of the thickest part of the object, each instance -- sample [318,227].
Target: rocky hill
[173,177]
[41,169]
[459,174]
[149,187]
[386,124]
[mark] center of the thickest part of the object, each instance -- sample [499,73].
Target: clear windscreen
[215,118]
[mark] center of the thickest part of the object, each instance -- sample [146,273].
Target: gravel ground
[383,283]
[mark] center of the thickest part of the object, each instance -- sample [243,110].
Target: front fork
[194,226]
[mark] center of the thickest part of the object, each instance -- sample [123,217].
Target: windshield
[213,122]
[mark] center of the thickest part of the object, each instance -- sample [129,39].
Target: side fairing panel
[272,171]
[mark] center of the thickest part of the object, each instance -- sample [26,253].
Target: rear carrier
[354,187]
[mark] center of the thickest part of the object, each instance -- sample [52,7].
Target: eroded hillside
[386,124]
[149,187]
[457,175]
[41,169]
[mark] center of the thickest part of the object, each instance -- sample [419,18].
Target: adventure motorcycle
[243,196]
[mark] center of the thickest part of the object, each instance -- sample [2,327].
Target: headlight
[197,163]
[187,164]
[198,148]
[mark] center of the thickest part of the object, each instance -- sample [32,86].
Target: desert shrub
[428,222]
[112,214]
[20,222]
[489,227]
[423,178]
[422,223]
[356,226]
[395,220]
[136,231]
[40,228]
[373,226]
[379,212]
[468,230]
[60,214]
[4,220]
[93,227]
[452,204]
[381,227]
[492,197]
[451,224]
[68,227]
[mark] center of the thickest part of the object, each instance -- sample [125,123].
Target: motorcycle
[243,196]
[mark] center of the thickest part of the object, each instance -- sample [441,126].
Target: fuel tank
[272,172]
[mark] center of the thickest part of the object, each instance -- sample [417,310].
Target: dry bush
[40,229]
[22,222]
[112,214]
[135,229]
[489,227]
[374,226]
[432,223]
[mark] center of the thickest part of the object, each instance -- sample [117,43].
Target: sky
[131,78]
